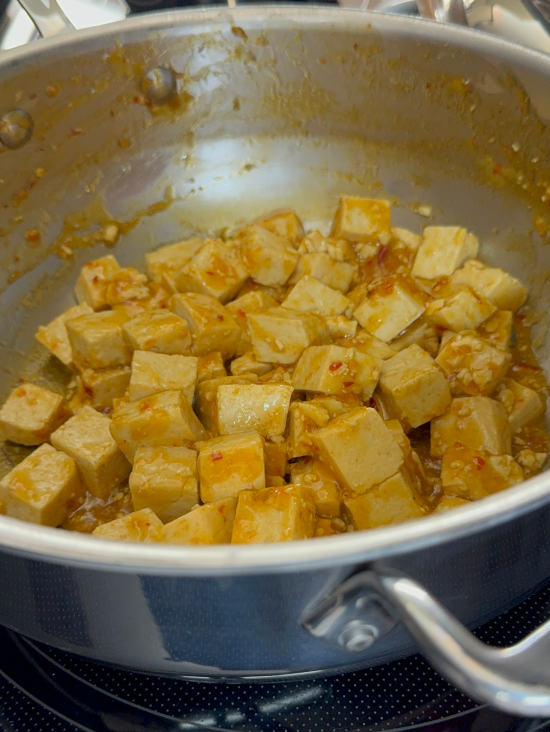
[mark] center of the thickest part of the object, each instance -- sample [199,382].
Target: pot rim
[71,548]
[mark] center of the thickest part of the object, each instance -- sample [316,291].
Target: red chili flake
[373,404]
[20,381]
[524,365]
[428,85]
[89,391]
[241,313]
[497,169]
[349,383]
[144,407]
[216,456]
[220,317]
[95,279]
[440,328]
[521,316]
[480,462]
[335,366]
[209,272]
[382,252]
[75,132]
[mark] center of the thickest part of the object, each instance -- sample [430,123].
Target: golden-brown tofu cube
[160,420]
[362,220]
[206,404]
[305,418]
[285,513]
[98,340]
[142,525]
[31,414]
[54,335]
[359,448]
[279,335]
[262,407]
[230,464]
[209,524]
[322,267]
[336,370]
[101,387]
[249,364]
[43,489]
[311,296]
[126,285]
[477,422]
[285,224]
[423,333]
[171,258]
[210,366]
[522,404]
[341,327]
[242,307]
[447,503]
[156,372]
[159,331]
[211,325]
[369,344]
[216,270]
[94,276]
[414,386]
[463,309]
[498,329]
[320,482]
[443,249]
[165,480]
[391,305]
[276,457]
[499,287]
[87,439]
[269,259]
[338,249]
[473,474]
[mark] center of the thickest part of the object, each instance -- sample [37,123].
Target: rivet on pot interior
[158,84]
[15,128]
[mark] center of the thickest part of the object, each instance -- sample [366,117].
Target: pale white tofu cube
[249,364]
[269,259]
[359,448]
[411,240]
[422,333]
[391,305]
[159,331]
[311,296]
[531,461]
[279,335]
[284,513]
[230,464]
[165,480]
[160,420]
[125,286]
[87,439]
[522,404]
[304,419]
[43,489]
[321,484]
[171,258]
[498,329]
[338,249]
[54,335]
[472,365]
[463,310]
[31,414]
[212,326]
[156,372]
[216,270]
[208,524]
[94,276]
[207,398]
[473,474]
[499,287]
[98,340]
[336,370]
[443,249]
[242,307]
[362,220]
[101,387]
[261,407]
[341,327]
[479,422]
[210,366]
[322,267]
[414,386]
[284,224]
[142,525]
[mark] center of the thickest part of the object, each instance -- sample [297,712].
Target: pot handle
[359,612]
[47,16]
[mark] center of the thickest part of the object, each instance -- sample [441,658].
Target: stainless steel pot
[275,107]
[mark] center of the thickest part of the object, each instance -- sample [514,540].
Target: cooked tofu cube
[362,220]
[477,422]
[126,285]
[423,333]
[359,448]
[43,489]
[242,307]
[206,403]
[329,527]
[279,335]
[285,513]
[87,439]
[522,404]
[170,259]
[276,458]
[317,479]
[54,335]
[210,366]
[498,329]
[31,414]
[443,249]
[463,310]
[156,372]
[311,296]
[341,327]
[211,325]
[305,418]
[337,405]
[321,266]
[160,420]
[159,331]
[367,343]
[414,386]
[94,276]
[499,287]
[531,461]
[391,502]
[165,480]
[231,464]
[215,270]
[98,340]
[471,365]
[336,370]
[391,305]
[262,407]
[209,524]
[249,364]
[408,238]
[284,224]
[101,387]
[447,503]
[338,249]
[141,525]
[473,474]
[269,259]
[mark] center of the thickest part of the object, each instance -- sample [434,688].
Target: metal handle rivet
[358,637]
[15,129]
[159,85]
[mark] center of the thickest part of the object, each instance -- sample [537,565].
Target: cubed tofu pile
[281,385]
